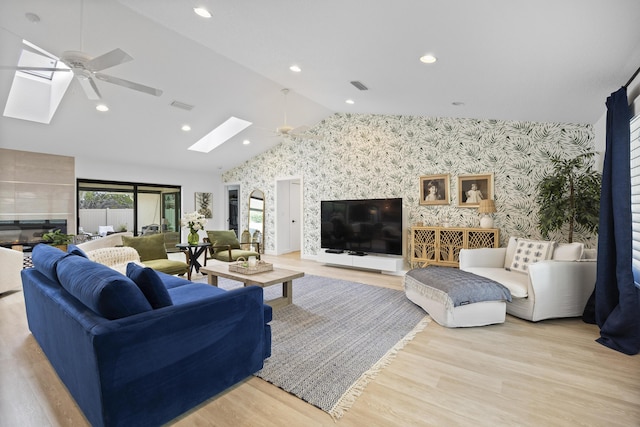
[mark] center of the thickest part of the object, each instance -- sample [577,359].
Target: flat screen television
[368,225]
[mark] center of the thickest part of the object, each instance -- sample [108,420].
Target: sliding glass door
[110,206]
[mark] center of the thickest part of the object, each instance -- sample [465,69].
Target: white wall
[191,182]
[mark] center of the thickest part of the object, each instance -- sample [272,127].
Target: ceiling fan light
[201,11]
[284,129]
[428,59]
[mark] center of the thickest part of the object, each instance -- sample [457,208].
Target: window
[140,208]
[635,197]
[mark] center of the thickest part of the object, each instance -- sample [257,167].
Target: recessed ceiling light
[457,103]
[201,11]
[428,59]
[231,127]
[246,142]
[186,128]
[102,108]
[295,68]
[350,101]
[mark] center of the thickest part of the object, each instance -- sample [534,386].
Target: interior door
[295,190]
[232,207]
[288,215]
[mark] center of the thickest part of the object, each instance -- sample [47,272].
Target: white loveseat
[552,288]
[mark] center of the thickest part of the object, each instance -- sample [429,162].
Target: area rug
[335,338]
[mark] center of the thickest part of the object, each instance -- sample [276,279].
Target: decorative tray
[242,266]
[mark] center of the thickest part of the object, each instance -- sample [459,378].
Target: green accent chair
[153,254]
[226,247]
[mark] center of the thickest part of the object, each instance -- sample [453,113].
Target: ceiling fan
[86,69]
[285,129]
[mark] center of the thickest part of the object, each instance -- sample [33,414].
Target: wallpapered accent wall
[375,156]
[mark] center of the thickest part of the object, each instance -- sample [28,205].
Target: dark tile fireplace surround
[28,232]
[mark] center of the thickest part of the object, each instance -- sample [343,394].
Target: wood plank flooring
[519,373]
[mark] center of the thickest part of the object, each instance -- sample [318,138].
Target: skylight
[227,130]
[35,94]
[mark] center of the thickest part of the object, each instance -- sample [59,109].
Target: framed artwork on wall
[473,188]
[434,189]
[204,202]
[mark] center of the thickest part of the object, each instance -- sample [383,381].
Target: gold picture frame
[434,189]
[473,188]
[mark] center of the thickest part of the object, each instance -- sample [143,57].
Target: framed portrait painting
[434,190]
[204,205]
[473,188]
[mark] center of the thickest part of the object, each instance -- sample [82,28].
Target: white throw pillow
[529,252]
[511,250]
[568,251]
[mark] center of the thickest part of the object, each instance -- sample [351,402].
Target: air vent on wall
[181,105]
[359,85]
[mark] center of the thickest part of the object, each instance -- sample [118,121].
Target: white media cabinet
[386,264]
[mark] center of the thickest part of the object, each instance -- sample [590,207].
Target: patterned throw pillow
[529,252]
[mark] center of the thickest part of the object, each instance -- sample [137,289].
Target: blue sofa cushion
[150,284]
[193,292]
[102,289]
[74,250]
[45,259]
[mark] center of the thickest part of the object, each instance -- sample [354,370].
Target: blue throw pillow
[102,289]
[150,284]
[45,259]
[74,250]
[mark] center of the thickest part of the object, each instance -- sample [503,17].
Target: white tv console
[388,264]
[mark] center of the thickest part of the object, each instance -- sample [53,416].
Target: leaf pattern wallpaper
[352,156]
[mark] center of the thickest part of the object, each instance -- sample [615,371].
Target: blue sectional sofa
[141,349]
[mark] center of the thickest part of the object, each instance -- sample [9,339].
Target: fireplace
[28,232]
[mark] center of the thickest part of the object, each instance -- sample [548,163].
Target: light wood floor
[519,373]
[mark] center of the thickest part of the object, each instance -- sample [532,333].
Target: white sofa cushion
[518,284]
[568,251]
[529,252]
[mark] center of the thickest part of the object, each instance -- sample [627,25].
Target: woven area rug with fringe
[335,337]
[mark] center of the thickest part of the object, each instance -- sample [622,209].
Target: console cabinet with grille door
[441,245]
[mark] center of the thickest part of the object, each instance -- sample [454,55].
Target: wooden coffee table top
[267,278]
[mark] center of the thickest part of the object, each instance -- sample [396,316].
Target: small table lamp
[486,208]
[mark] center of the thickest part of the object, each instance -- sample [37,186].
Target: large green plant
[57,238]
[570,194]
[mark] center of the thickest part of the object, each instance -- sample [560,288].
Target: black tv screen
[369,225]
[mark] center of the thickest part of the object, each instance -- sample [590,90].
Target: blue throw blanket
[454,287]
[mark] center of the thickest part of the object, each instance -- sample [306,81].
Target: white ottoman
[456,298]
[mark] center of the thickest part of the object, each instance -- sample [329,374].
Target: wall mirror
[256,217]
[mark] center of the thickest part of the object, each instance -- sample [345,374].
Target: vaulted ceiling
[537,60]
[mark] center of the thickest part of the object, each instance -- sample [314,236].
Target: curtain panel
[615,303]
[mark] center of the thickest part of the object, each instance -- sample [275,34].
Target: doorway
[232,207]
[288,215]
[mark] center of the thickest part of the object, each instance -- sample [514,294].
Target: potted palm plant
[570,194]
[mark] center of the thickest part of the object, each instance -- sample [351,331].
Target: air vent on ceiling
[181,105]
[359,85]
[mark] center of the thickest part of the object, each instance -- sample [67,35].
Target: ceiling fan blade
[108,60]
[128,84]
[6,67]
[89,87]
[299,130]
